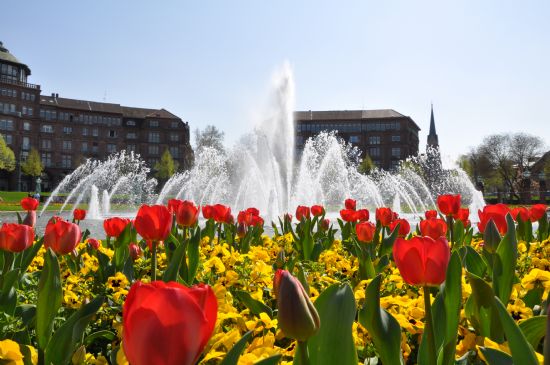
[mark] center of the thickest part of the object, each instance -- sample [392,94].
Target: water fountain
[261,170]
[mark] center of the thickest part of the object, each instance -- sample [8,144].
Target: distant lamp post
[526,187]
[38,185]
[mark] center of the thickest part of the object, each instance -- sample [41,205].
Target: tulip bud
[324,224]
[241,230]
[491,237]
[135,251]
[297,316]
[30,218]
[94,243]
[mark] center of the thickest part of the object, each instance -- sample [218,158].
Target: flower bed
[344,292]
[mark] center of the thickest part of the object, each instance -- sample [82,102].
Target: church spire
[433,141]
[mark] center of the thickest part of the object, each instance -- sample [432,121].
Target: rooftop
[350,115]
[6,56]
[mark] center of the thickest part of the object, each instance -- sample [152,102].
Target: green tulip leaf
[8,297]
[472,261]
[193,255]
[387,243]
[522,352]
[382,326]
[504,267]
[104,334]
[29,255]
[333,343]
[458,233]
[544,229]
[50,294]
[491,236]
[533,297]
[481,311]
[232,357]
[68,337]
[496,357]
[255,306]
[171,272]
[272,360]
[534,329]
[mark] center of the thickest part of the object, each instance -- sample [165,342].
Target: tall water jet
[105,203]
[93,205]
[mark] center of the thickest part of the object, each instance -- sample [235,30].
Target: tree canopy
[166,167]
[209,137]
[7,157]
[33,165]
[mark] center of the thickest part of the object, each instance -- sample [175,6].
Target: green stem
[154,262]
[8,263]
[450,228]
[303,353]
[219,234]
[432,360]
[40,356]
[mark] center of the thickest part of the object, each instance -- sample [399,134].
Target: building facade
[386,136]
[68,131]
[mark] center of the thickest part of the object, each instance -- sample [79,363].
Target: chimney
[53,95]
[56,95]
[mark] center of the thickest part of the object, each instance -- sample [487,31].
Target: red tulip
[93,243]
[79,214]
[208,211]
[29,204]
[365,231]
[384,216]
[241,230]
[422,260]
[537,211]
[61,236]
[522,212]
[16,237]
[324,224]
[350,204]
[349,215]
[404,227]
[433,227]
[115,226]
[221,213]
[302,212]
[187,214]
[167,323]
[363,215]
[296,315]
[249,217]
[448,204]
[173,205]
[135,251]
[497,213]
[153,223]
[463,215]
[431,214]
[30,218]
[317,210]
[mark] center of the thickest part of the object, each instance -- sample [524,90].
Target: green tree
[166,167]
[366,165]
[7,157]
[33,165]
[209,137]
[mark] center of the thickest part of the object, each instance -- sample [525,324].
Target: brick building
[385,135]
[68,131]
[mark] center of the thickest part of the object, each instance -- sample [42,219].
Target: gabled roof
[142,113]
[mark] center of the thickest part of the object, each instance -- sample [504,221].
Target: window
[175,124]
[131,147]
[6,124]
[47,128]
[131,135]
[154,137]
[374,151]
[131,122]
[7,108]
[67,130]
[66,161]
[396,152]
[396,138]
[84,146]
[67,145]
[26,126]
[8,92]
[46,159]
[9,138]
[95,132]
[174,137]
[111,148]
[25,110]
[84,131]
[94,147]
[23,156]
[153,149]
[46,144]
[394,164]
[374,140]
[175,152]
[354,139]
[26,145]
[112,133]
[153,123]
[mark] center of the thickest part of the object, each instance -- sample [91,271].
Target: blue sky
[484,64]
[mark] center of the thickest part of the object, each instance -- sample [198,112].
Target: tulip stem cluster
[303,353]
[430,338]
[154,262]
